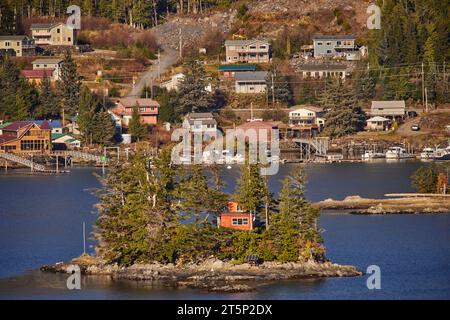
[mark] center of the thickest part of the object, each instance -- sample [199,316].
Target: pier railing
[25,162]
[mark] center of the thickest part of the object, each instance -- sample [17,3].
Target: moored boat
[398,153]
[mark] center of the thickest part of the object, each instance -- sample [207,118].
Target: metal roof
[244,42]
[245,67]
[13,37]
[393,104]
[51,61]
[322,67]
[334,37]
[259,76]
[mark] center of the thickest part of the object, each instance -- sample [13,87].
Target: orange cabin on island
[235,218]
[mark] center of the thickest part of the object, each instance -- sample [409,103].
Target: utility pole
[273,92]
[251,111]
[159,65]
[84,237]
[423,85]
[181,44]
[426,100]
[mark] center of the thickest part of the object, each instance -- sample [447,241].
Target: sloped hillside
[271,17]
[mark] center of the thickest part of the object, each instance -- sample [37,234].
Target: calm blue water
[41,222]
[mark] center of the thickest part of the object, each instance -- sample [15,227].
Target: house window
[239,221]
[253,47]
[69,39]
[58,30]
[7,44]
[338,43]
[18,44]
[328,43]
[328,51]
[262,47]
[142,109]
[319,43]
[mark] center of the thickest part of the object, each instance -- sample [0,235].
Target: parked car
[412,114]
[415,127]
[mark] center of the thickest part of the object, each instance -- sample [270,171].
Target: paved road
[168,58]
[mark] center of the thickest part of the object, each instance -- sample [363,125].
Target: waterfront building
[26,137]
[236,218]
[378,123]
[201,122]
[307,116]
[64,141]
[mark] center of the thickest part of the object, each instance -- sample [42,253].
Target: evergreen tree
[250,188]
[365,84]
[168,101]
[192,93]
[280,88]
[135,209]
[22,107]
[94,121]
[342,116]
[48,101]
[104,129]
[69,87]
[425,179]
[9,86]
[294,230]
[137,129]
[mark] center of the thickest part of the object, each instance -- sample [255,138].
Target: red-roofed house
[37,76]
[26,137]
[261,130]
[148,110]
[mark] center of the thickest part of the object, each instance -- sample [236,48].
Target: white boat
[369,155]
[397,153]
[427,153]
[442,154]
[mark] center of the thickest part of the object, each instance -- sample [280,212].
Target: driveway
[168,58]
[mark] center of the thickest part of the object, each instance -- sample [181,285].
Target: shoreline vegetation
[401,204]
[160,222]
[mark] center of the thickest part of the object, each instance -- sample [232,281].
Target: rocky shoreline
[212,275]
[399,205]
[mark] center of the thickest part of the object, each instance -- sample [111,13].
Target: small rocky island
[397,204]
[175,226]
[212,274]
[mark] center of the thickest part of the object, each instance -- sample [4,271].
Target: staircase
[78,154]
[320,145]
[26,162]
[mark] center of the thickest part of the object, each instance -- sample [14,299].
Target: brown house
[26,137]
[235,218]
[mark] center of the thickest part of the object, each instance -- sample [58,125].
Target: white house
[389,109]
[49,64]
[307,116]
[378,123]
[174,82]
[69,141]
[201,122]
[250,82]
